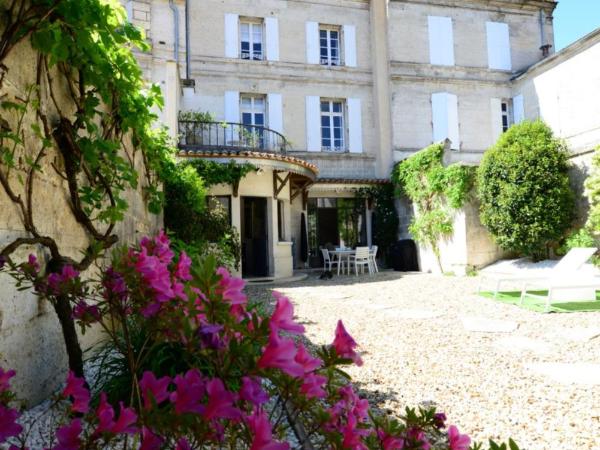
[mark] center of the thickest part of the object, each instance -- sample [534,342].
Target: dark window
[280,220]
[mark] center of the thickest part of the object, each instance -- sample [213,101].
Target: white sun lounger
[562,289]
[565,269]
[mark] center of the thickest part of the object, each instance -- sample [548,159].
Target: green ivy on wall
[436,191]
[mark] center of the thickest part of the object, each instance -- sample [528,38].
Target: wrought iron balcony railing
[203,136]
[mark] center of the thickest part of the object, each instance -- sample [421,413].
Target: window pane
[245,32]
[259,119]
[326,142]
[333,34]
[337,133]
[337,107]
[246,102]
[337,121]
[338,144]
[257,33]
[325,106]
[325,132]
[259,103]
[324,121]
[247,118]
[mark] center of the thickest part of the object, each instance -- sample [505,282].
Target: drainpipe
[187,40]
[176,24]
[545,48]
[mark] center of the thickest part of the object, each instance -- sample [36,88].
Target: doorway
[255,237]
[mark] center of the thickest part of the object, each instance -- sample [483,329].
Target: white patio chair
[361,258]
[566,268]
[328,262]
[373,256]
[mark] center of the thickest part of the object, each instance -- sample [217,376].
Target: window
[252,112]
[251,39]
[280,221]
[332,125]
[329,42]
[506,108]
[220,203]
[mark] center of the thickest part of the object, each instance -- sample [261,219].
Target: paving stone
[568,373]
[578,334]
[485,325]
[521,343]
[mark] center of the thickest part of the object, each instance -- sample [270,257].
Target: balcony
[197,136]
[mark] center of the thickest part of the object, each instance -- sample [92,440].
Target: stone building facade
[354,86]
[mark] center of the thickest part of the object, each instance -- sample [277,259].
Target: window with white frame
[252,115]
[332,125]
[329,43]
[251,39]
[506,110]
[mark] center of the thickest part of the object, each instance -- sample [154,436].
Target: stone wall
[30,337]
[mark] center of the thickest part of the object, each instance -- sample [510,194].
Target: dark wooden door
[255,237]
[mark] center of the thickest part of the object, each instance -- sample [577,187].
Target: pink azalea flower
[231,288]
[106,414]
[80,394]
[353,435]
[313,386]
[220,402]
[150,441]
[390,442]
[283,316]
[183,444]
[57,281]
[306,360]
[126,421]
[160,247]
[457,441]
[279,354]
[344,344]
[182,268]
[5,379]
[83,311]
[153,389]
[417,436]
[260,427]
[8,425]
[68,436]
[156,274]
[189,393]
[252,392]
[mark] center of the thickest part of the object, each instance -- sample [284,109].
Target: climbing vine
[216,173]
[75,107]
[436,191]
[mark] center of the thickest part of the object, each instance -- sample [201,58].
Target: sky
[574,19]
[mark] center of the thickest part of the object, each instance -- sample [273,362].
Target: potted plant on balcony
[192,126]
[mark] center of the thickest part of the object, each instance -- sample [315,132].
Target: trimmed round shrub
[526,201]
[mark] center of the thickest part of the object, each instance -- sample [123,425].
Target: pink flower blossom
[8,425]
[417,437]
[5,379]
[81,395]
[457,441]
[150,441]
[353,435]
[306,360]
[183,444]
[83,311]
[182,268]
[153,389]
[279,354]
[390,442]
[106,415]
[58,281]
[189,393]
[260,427]
[344,344]
[68,436]
[157,275]
[252,392]
[220,402]
[160,247]
[283,316]
[312,386]
[231,288]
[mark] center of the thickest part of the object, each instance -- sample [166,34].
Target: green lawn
[538,305]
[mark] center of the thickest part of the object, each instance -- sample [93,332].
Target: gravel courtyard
[535,377]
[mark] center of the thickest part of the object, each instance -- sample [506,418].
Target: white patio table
[342,254]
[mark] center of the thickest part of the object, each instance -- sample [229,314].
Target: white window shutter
[441,41]
[518,109]
[349,32]
[275,112]
[272,35]
[129,10]
[444,109]
[439,111]
[354,126]
[453,129]
[232,42]
[232,106]
[496,116]
[312,42]
[498,46]
[313,124]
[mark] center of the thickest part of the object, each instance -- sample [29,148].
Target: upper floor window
[332,125]
[329,43]
[252,112]
[506,109]
[251,39]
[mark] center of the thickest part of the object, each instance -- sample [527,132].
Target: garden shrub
[592,191]
[436,192]
[526,201]
[198,369]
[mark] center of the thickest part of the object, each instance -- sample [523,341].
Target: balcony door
[253,114]
[255,237]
